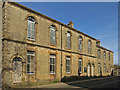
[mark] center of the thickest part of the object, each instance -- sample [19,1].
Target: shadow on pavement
[103,82]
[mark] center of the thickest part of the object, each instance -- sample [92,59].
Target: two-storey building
[37,48]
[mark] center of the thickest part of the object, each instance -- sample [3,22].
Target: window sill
[53,46]
[52,73]
[68,49]
[68,72]
[80,51]
[33,40]
[30,73]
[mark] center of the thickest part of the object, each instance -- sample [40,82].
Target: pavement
[108,82]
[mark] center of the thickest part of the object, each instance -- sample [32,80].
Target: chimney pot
[71,24]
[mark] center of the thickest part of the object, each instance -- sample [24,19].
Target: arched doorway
[17,70]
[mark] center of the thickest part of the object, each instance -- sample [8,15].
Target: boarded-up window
[52,35]
[80,43]
[31,28]
[68,64]
[68,40]
[80,66]
[30,62]
[52,63]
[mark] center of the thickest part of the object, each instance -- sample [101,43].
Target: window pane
[68,40]
[80,44]
[52,63]
[80,65]
[28,30]
[52,35]
[28,58]
[28,67]
[67,65]
[30,62]
[53,68]
[31,28]
[50,68]
[53,60]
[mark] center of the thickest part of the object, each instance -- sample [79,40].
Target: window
[52,64]
[98,54]
[89,46]
[104,68]
[80,43]
[68,40]
[99,68]
[30,62]
[80,66]
[109,56]
[52,35]
[104,55]
[109,68]
[68,65]
[31,28]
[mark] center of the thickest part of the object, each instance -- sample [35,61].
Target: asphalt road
[112,82]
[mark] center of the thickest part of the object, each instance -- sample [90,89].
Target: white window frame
[30,62]
[30,30]
[53,57]
[80,60]
[52,29]
[68,66]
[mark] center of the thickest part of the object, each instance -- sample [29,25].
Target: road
[113,82]
[109,82]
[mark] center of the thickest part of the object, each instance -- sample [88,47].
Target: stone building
[37,48]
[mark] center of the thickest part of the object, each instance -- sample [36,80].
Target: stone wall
[16,43]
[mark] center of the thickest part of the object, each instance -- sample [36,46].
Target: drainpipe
[61,52]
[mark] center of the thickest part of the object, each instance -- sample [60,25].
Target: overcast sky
[99,20]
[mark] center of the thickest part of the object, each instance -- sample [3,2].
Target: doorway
[89,70]
[92,70]
[17,70]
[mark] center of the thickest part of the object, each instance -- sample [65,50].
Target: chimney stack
[71,24]
[98,42]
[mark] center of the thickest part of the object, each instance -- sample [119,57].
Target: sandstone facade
[16,44]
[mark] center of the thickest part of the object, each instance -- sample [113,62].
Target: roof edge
[104,48]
